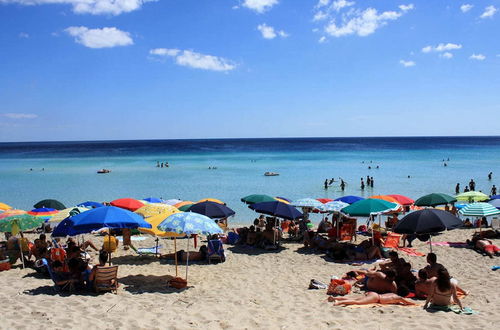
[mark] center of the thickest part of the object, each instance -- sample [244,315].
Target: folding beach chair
[106,279]
[495,224]
[69,287]
[392,240]
[216,251]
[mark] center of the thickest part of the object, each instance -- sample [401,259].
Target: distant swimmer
[371,182]
[326,183]
[369,167]
[367,180]
[445,164]
[409,176]
[161,165]
[362,184]
[466,189]
[490,175]
[342,185]
[157,164]
[457,189]
[493,190]
[378,167]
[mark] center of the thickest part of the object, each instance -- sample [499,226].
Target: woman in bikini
[443,292]
[375,298]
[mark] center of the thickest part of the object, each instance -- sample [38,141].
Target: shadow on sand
[138,284]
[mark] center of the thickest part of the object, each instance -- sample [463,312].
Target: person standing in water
[326,183]
[342,185]
[490,175]
[493,190]
[362,184]
[457,189]
[371,182]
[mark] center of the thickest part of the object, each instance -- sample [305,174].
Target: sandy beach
[252,289]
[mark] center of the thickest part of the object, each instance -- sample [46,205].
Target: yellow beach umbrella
[153,209]
[70,211]
[5,207]
[215,200]
[11,212]
[155,220]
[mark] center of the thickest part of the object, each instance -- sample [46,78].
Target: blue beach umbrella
[107,217]
[349,199]
[90,204]
[495,203]
[495,197]
[277,209]
[153,200]
[212,210]
[65,228]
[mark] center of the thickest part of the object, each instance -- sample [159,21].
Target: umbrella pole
[175,256]
[156,249]
[430,241]
[21,249]
[187,259]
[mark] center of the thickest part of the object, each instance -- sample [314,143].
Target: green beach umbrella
[472,196]
[435,199]
[17,223]
[479,210]
[184,208]
[367,207]
[257,198]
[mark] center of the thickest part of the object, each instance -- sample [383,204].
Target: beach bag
[178,283]
[338,288]
[4,265]
[57,254]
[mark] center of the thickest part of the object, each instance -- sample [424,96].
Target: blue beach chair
[216,251]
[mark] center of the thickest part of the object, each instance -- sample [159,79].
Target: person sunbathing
[84,246]
[423,284]
[486,246]
[374,298]
[443,292]
[183,255]
[380,282]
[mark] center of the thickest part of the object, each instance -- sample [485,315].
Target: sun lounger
[215,251]
[149,251]
[106,279]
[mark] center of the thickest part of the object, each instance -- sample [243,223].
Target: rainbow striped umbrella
[44,212]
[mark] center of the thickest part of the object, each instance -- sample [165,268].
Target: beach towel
[361,262]
[151,250]
[411,252]
[379,305]
[453,308]
[134,238]
[452,244]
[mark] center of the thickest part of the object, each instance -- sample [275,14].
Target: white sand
[252,289]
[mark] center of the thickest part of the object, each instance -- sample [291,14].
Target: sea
[229,169]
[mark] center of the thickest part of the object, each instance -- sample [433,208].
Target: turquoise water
[69,173]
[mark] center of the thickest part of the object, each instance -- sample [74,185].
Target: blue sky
[132,69]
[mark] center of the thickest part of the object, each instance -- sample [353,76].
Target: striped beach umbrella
[307,202]
[479,210]
[11,212]
[333,206]
[4,207]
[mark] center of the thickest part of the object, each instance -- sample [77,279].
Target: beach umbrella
[333,206]
[172,201]
[150,210]
[427,221]
[185,207]
[479,210]
[66,228]
[495,197]
[367,207]
[472,196]
[107,217]
[69,212]
[403,200]
[349,199]
[189,223]
[211,210]
[385,198]
[277,209]
[91,205]
[153,200]
[127,204]
[215,200]
[495,203]
[324,200]
[307,202]
[11,212]
[257,198]
[4,207]
[43,212]
[183,203]
[155,220]
[50,203]
[281,199]
[435,199]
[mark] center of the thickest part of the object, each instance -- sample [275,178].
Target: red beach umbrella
[324,200]
[403,200]
[127,204]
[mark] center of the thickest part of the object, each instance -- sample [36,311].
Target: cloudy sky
[138,69]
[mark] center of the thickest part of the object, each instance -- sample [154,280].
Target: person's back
[433,267]
[381,282]
[443,291]
[423,284]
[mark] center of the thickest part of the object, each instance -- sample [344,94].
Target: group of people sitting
[265,233]
[394,282]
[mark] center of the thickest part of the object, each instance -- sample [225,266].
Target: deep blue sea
[70,176]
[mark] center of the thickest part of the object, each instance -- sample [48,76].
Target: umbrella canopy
[69,212]
[324,200]
[66,228]
[215,200]
[277,209]
[43,212]
[257,198]
[90,205]
[183,203]
[367,207]
[150,210]
[403,200]
[333,206]
[16,223]
[50,203]
[11,212]
[385,198]
[479,210]
[212,210]
[495,203]
[127,204]
[281,199]
[172,201]
[185,207]
[153,200]
[495,197]
[472,196]
[190,223]
[155,220]
[307,202]
[435,199]
[4,207]
[427,221]
[349,199]
[107,217]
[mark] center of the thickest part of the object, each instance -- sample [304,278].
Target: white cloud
[94,7]
[362,23]
[195,60]
[406,8]
[339,4]
[23,35]
[268,32]
[17,115]
[100,38]
[407,64]
[259,6]
[488,12]
[466,7]
[322,3]
[320,16]
[322,39]
[477,57]
[441,47]
[446,55]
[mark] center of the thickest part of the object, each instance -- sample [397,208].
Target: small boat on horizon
[103,171]
[271,174]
